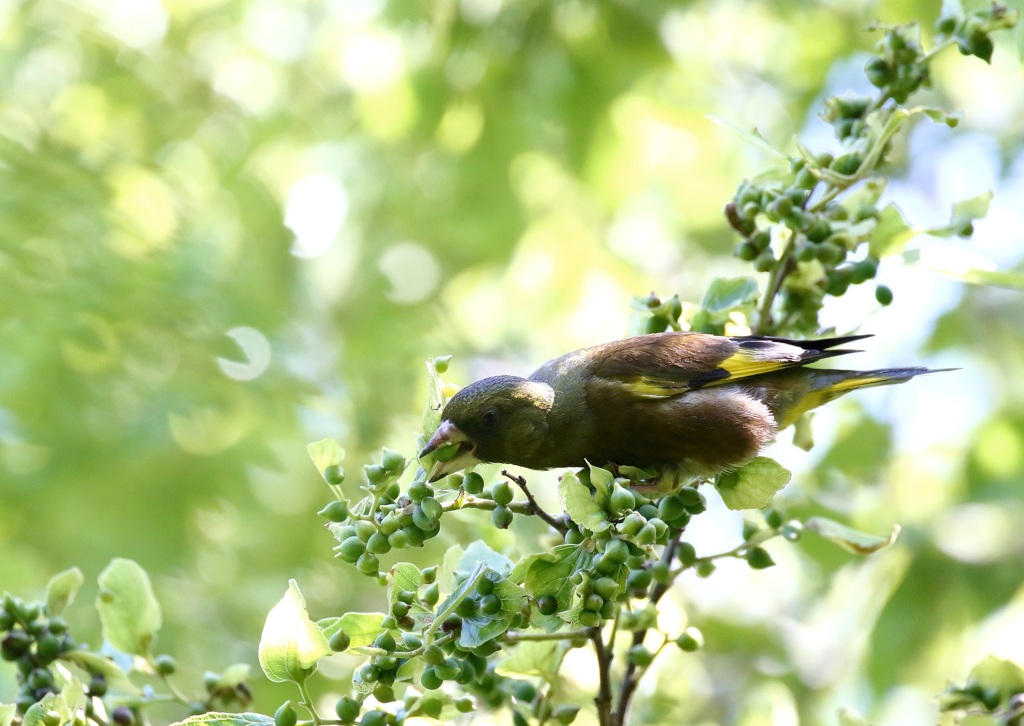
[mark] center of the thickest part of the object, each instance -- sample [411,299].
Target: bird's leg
[669,479]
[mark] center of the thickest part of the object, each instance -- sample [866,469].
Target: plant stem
[521,483]
[603,700]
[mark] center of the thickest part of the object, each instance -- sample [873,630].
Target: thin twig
[603,700]
[536,509]
[630,679]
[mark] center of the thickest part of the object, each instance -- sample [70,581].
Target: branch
[534,507]
[603,700]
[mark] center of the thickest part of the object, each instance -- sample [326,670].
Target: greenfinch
[700,403]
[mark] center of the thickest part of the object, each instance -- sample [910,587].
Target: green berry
[334,474]
[431,594]
[547,604]
[847,163]
[364,529]
[638,580]
[523,691]
[490,604]
[434,655]
[759,559]
[351,549]
[392,461]
[473,483]
[368,563]
[347,709]
[375,473]
[339,641]
[399,539]
[285,715]
[419,490]
[378,544]
[621,499]
[432,508]
[336,511]
[502,493]
[691,640]
[565,714]
[747,251]
[883,294]
[386,642]
[484,586]
[374,718]
[639,655]
[165,664]
[501,517]
[617,551]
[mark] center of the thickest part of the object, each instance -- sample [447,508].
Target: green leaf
[291,643]
[549,573]
[964,265]
[61,590]
[215,718]
[7,711]
[850,539]
[68,704]
[728,293]
[478,552]
[435,395]
[403,576]
[602,480]
[964,214]
[753,485]
[129,611]
[578,503]
[752,136]
[849,717]
[890,234]
[999,673]
[362,628]
[325,453]
[534,658]
[92,662]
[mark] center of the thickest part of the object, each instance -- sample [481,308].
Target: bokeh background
[230,228]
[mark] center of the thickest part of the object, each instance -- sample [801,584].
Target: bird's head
[502,419]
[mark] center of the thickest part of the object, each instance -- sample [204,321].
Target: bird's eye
[490,417]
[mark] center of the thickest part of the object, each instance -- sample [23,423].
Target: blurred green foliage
[229,228]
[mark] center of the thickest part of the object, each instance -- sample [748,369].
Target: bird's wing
[669,364]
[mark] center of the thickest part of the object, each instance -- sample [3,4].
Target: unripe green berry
[501,517]
[883,294]
[336,511]
[640,656]
[378,544]
[285,715]
[691,640]
[747,251]
[351,549]
[547,604]
[375,473]
[473,483]
[165,664]
[368,563]
[502,493]
[490,604]
[759,559]
[334,474]
[339,641]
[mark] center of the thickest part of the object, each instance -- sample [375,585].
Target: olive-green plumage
[702,403]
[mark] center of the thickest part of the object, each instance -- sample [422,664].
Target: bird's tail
[828,385]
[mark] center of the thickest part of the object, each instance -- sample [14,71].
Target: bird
[696,403]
